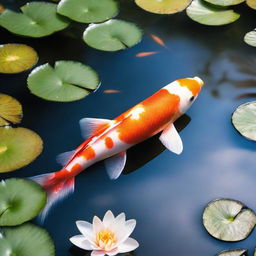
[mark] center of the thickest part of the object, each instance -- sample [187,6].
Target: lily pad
[18,147]
[112,35]
[228,220]
[15,58]
[88,11]
[244,120]
[236,252]
[67,81]
[207,14]
[10,110]
[20,201]
[26,240]
[37,19]
[250,38]
[163,6]
[225,2]
[251,3]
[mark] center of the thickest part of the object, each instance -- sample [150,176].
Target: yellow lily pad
[15,58]
[251,3]
[10,110]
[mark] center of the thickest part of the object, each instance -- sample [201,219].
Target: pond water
[164,192]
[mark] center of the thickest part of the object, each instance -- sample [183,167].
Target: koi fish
[158,40]
[145,54]
[109,139]
[109,91]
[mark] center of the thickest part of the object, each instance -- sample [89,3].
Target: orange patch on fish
[158,110]
[76,167]
[89,153]
[158,40]
[109,91]
[191,84]
[109,142]
[145,54]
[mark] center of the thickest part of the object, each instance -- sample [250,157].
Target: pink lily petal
[127,246]
[108,218]
[86,229]
[97,225]
[81,242]
[98,253]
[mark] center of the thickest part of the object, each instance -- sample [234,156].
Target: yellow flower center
[106,239]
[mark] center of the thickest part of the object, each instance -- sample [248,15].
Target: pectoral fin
[171,139]
[115,165]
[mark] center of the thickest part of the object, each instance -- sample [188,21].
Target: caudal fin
[56,189]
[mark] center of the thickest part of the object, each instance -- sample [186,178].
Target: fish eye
[192,98]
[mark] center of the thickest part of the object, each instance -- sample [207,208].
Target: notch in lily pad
[88,11]
[26,240]
[235,252]
[20,201]
[18,148]
[228,220]
[163,7]
[66,81]
[10,110]
[244,120]
[16,58]
[207,14]
[37,19]
[112,35]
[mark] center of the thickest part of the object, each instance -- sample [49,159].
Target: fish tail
[56,189]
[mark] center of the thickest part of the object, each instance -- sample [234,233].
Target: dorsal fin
[90,126]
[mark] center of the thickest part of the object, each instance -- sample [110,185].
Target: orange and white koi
[109,139]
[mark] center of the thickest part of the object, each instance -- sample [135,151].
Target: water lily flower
[109,236]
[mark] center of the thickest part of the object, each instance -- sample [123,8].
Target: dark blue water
[165,193]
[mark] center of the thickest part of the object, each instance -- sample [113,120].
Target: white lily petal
[123,234]
[86,229]
[97,225]
[113,252]
[81,242]
[120,219]
[98,253]
[108,218]
[128,245]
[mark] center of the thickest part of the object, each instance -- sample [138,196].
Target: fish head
[187,89]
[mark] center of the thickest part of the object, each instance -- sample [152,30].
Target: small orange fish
[2,8]
[109,91]
[144,54]
[158,40]
[108,140]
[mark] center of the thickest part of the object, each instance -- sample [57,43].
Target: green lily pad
[163,6]
[207,14]
[37,19]
[228,220]
[10,110]
[250,38]
[15,58]
[244,120]
[20,201]
[18,147]
[251,3]
[112,35]
[26,240]
[88,11]
[67,81]
[236,252]
[225,2]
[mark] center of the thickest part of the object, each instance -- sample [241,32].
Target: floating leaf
[207,14]
[225,2]
[112,35]
[20,201]
[244,120]
[228,220]
[37,19]
[26,240]
[10,110]
[15,58]
[250,38]
[236,252]
[88,11]
[251,3]
[67,81]
[18,147]
[163,6]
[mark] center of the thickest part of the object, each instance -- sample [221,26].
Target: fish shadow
[145,151]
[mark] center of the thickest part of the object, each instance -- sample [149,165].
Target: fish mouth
[199,80]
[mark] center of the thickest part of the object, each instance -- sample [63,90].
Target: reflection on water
[168,192]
